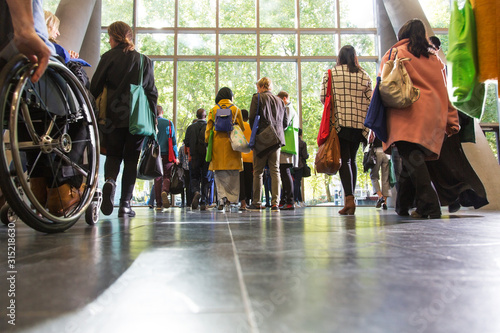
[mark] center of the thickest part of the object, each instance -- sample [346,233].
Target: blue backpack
[224,119]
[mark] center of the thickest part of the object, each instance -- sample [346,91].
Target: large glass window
[155,13]
[237,44]
[318,13]
[236,14]
[240,78]
[113,11]
[277,13]
[197,13]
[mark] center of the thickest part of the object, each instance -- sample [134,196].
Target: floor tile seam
[244,292]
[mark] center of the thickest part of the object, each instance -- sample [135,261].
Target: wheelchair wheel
[48,158]
[7,215]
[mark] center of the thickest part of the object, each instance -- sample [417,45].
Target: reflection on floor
[308,270]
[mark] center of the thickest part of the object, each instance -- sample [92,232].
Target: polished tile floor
[308,270]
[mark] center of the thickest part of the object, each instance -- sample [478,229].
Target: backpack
[177,179]
[224,119]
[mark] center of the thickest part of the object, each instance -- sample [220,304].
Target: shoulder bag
[376,118]
[396,89]
[237,138]
[291,136]
[324,127]
[150,162]
[142,120]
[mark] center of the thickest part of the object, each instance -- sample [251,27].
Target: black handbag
[369,158]
[150,162]
[306,171]
[177,179]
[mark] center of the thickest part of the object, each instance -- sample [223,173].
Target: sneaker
[220,205]
[196,200]
[203,207]
[164,199]
[108,197]
[274,208]
[380,201]
[287,207]
[252,207]
[384,206]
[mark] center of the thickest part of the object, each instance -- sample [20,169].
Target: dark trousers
[122,146]
[348,171]
[199,178]
[186,194]
[415,186]
[286,183]
[246,182]
[162,184]
[297,184]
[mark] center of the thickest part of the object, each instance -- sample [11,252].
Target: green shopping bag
[142,118]
[291,137]
[466,93]
[208,156]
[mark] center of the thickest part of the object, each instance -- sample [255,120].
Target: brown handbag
[328,156]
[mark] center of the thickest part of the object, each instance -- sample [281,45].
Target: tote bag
[376,117]
[150,162]
[324,127]
[238,140]
[291,138]
[141,121]
[208,156]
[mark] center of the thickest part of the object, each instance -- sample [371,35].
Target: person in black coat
[117,69]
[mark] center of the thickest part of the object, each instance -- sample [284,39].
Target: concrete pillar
[387,36]
[75,18]
[91,46]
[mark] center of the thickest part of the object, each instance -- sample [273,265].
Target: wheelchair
[49,148]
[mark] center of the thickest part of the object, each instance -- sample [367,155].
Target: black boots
[125,210]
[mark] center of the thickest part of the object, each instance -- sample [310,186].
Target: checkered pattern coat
[352,93]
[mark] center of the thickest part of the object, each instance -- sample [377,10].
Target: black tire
[92,214]
[7,215]
[51,127]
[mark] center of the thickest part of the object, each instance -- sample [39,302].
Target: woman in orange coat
[419,130]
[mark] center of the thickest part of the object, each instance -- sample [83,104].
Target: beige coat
[432,116]
[223,155]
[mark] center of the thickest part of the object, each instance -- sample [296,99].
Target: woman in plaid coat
[352,91]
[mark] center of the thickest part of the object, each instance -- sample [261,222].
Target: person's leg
[196,178]
[273,160]
[157,187]
[348,174]
[287,183]
[386,172]
[167,177]
[426,198]
[258,171]
[375,175]
[205,183]
[297,184]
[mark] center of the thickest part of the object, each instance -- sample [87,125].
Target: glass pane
[113,11]
[312,110]
[105,47]
[445,43]
[240,77]
[318,45]
[318,13]
[364,44]
[155,44]
[51,5]
[238,44]
[277,13]
[356,14]
[236,14]
[155,13]
[278,45]
[164,81]
[197,13]
[196,44]
[437,12]
[195,89]
[283,76]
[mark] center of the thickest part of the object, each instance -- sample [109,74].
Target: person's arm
[253,110]
[26,39]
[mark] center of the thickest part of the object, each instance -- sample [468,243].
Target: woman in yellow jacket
[226,163]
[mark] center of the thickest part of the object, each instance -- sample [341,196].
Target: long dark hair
[347,56]
[414,30]
[122,34]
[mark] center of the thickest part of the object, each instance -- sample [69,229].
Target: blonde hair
[265,83]
[121,32]
[52,23]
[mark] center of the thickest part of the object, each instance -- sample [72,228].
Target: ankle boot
[349,206]
[125,209]
[38,186]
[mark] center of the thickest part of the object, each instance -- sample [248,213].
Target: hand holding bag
[369,158]
[142,118]
[150,162]
[396,89]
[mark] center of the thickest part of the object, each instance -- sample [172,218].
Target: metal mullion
[175,73]
[217,32]
[257,22]
[299,64]
[338,24]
